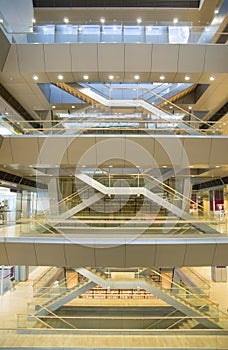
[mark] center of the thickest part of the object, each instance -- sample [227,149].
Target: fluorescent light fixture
[111,76]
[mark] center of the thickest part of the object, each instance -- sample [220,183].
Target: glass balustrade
[114,33]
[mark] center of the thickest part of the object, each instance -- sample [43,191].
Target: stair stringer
[66,297]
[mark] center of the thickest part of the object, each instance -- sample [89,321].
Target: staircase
[65,297]
[190,304]
[89,96]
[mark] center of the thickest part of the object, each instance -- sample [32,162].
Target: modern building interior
[113,174]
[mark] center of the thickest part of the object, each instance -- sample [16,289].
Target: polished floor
[16,302]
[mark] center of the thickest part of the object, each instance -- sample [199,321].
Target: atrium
[113,174]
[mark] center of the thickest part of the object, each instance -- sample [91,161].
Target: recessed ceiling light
[139,20]
[60,77]
[171,107]
[111,77]
[187,77]
[33,20]
[190,107]
[73,107]
[162,77]
[136,77]
[212,78]
[216,11]
[102,20]
[85,76]
[217,166]
[35,77]
[175,20]
[110,166]
[66,20]
[164,166]
[53,107]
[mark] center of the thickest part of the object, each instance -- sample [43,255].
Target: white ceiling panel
[165,58]
[53,77]
[3,254]
[79,255]
[11,64]
[220,254]
[5,152]
[52,151]
[216,59]
[170,254]
[104,76]
[168,151]
[113,256]
[22,152]
[192,147]
[84,58]
[196,63]
[81,151]
[138,58]
[199,254]
[110,57]
[140,151]
[44,258]
[31,58]
[219,154]
[109,148]
[23,256]
[57,58]
[93,76]
[140,255]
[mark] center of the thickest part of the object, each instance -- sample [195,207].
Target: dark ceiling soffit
[118,3]
[209,184]
[21,180]
[18,107]
[217,116]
